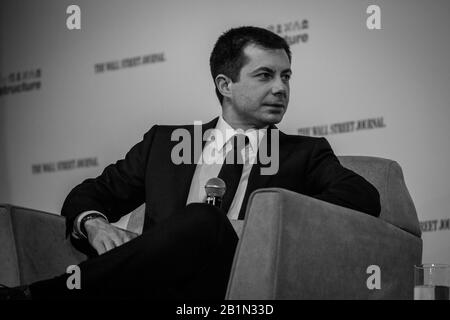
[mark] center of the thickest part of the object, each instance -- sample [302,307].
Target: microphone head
[215,187]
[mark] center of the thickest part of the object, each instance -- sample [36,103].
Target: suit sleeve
[117,191]
[331,182]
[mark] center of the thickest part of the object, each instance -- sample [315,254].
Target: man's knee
[206,213]
[209,217]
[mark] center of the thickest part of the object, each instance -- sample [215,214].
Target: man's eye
[286,77]
[264,75]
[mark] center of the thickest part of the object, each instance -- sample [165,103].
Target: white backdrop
[342,72]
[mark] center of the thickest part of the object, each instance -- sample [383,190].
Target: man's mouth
[275,105]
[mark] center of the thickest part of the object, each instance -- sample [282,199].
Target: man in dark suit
[187,247]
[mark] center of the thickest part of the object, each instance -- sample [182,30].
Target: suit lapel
[184,172]
[256,180]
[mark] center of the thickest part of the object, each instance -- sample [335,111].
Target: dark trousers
[187,256]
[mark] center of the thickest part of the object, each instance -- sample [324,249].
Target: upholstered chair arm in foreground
[297,247]
[33,246]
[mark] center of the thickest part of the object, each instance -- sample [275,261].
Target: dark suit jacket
[147,174]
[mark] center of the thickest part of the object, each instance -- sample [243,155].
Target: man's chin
[273,119]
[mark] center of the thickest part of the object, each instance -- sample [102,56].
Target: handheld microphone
[215,189]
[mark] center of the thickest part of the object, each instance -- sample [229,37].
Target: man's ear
[223,84]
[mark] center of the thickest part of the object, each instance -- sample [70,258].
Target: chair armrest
[43,251]
[297,247]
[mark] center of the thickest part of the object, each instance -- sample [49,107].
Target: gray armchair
[305,248]
[291,246]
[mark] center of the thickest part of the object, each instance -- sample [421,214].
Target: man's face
[261,95]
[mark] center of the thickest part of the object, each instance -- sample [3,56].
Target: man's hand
[103,236]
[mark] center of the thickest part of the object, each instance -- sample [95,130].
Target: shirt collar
[224,132]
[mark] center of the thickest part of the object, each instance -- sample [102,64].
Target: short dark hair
[228,56]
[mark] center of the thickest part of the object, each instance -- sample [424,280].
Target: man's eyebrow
[263,69]
[267,69]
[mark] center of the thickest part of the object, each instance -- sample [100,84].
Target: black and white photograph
[220,157]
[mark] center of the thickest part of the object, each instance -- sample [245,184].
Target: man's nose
[279,88]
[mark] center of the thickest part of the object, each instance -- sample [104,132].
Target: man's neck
[239,124]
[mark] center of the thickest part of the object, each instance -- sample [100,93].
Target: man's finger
[127,235]
[116,239]
[133,235]
[99,247]
[109,244]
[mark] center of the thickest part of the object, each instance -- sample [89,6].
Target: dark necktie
[231,170]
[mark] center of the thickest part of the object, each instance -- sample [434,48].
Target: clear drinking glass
[432,281]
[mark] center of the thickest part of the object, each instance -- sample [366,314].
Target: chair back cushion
[386,175]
